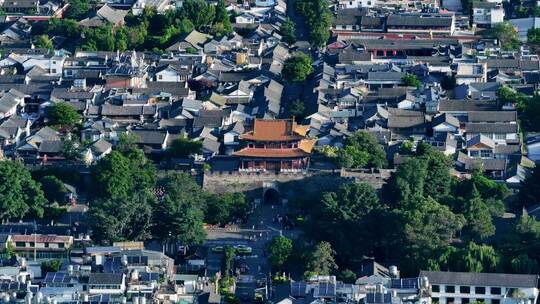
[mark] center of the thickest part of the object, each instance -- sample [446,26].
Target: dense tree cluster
[528,107]
[425,219]
[506,34]
[288,31]
[63,115]
[20,194]
[297,68]
[410,80]
[362,150]
[148,31]
[132,203]
[319,20]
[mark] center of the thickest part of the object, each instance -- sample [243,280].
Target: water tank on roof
[394,273]
[135,275]
[124,260]
[424,282]
[135,300]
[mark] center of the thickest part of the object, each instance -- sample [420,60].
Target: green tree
[50,266]
[524,264]
[319,19]
[77,9]
[228,259]
[472,258]
[122,219]
[63,115]
[529,113]
[43,42]
[354,209]
[20,195]
[201,13]
[297,109]
[507,35]
[65,27]
[530,190]
[288,31]
[179,216]
[424,227]
[297,68]
[226,207]
[53,188]
[222,22]
[184,147]
[119,175]
[362,150]
[72,150]
[280,250]
[410,80]
[321,261]
[533,36]
[479,258]
[347,276]
[99,39]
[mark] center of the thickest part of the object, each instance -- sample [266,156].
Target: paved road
[256,233]
[302,32]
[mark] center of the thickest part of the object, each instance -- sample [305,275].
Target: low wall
[299,186]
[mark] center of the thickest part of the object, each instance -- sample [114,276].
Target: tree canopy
[179,215]
[280,249]
[297,68]
[184,147]
[20,195]
[410,80]
[63,115]
[288,31]
[362,150]
[321,260]
[318,18]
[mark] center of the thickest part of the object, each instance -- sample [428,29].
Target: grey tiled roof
[396,20]
[481,279]
[491,128]
[105,278]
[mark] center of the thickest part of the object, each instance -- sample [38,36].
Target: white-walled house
[245,18]
[487,14]
[356,3]
[53,65]
[489,288]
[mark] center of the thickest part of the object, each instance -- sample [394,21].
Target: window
[160,76]
[495,290]
[20,244]
[485,153]
[480,290]
[474,153]
[450,288]
[464,289]
[495,301]
[435,288]
[54,70]
[60,245]
[465,301]
[46,245]
[32,244]
[450,300]
[500,136]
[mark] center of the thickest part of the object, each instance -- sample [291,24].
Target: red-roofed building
[275,145]
[43,246]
